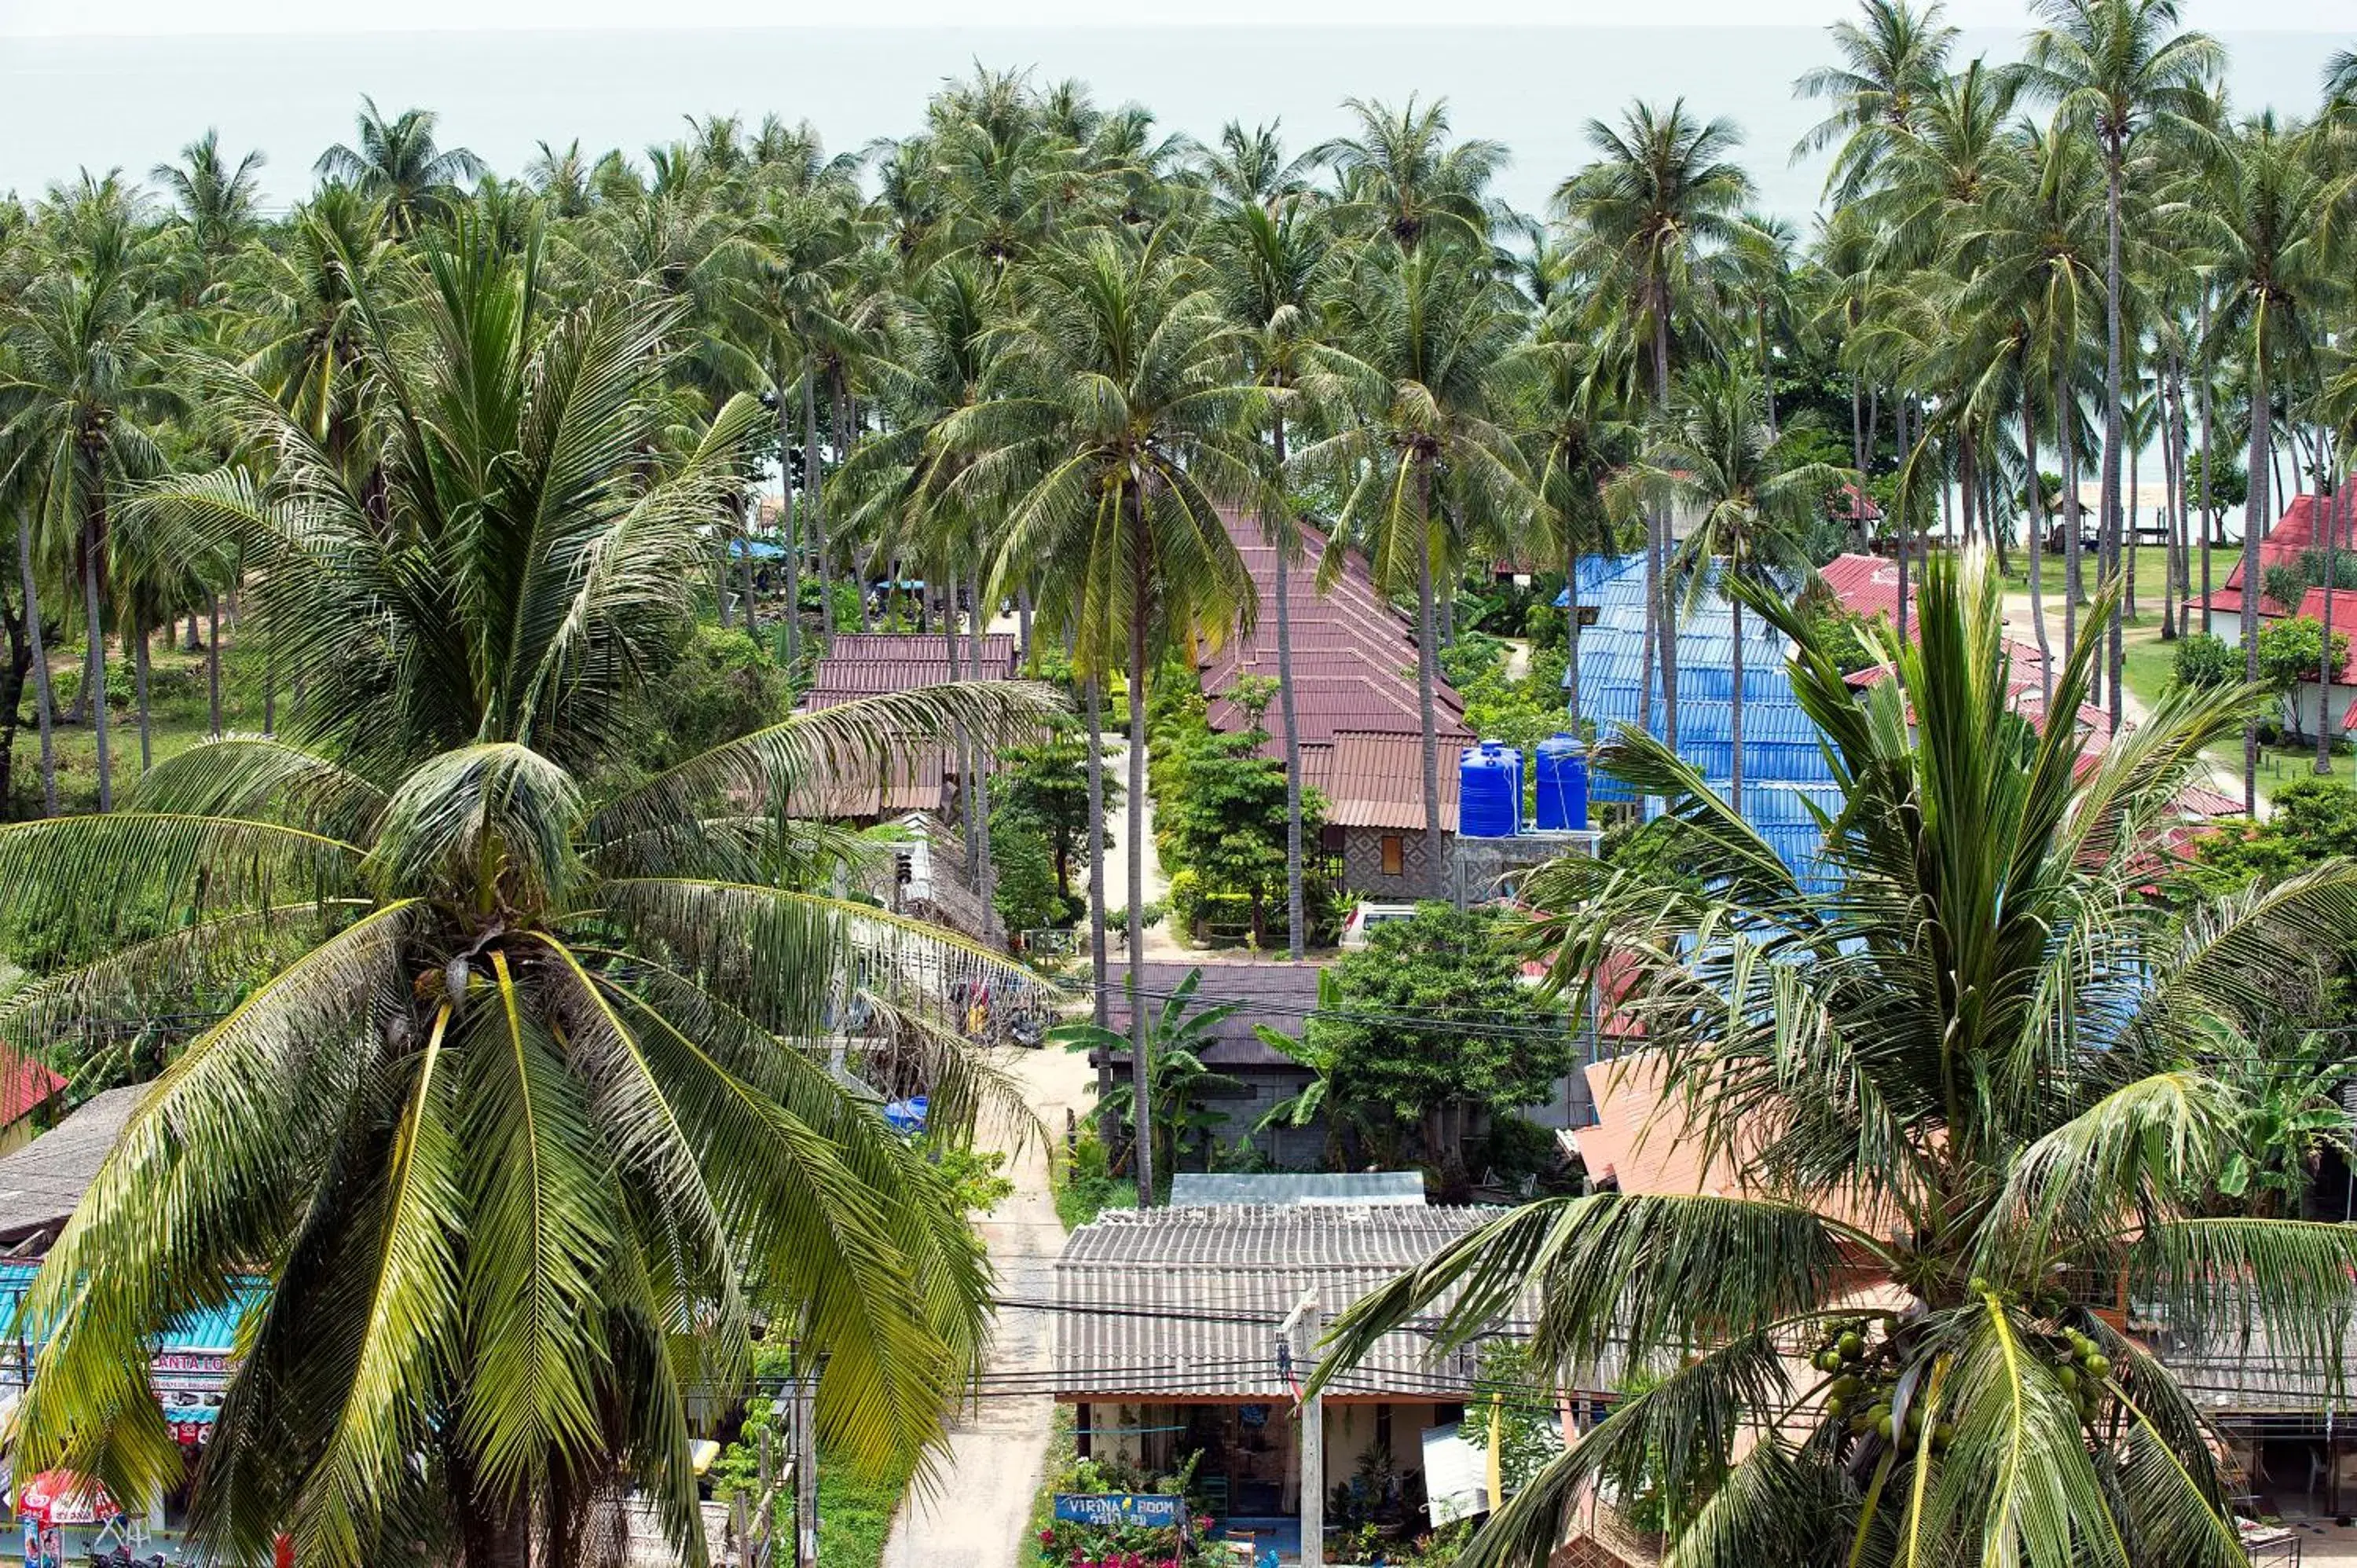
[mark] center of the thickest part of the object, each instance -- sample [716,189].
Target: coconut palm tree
[2256,222]
[1943,1074]
[1121,423]
[525,1112]
[80,386]
[1269,264]
[1567,399]
[1660,196]
[1419,462]
[1714,455]
[215,198]
[399,163]
[1893,61]
[1401,179]
[2119,72]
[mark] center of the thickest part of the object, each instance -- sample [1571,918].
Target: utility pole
[1296,1342]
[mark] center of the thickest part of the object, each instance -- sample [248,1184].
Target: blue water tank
[1489,791]
[1563,783]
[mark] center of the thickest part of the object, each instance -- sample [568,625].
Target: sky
[127,82]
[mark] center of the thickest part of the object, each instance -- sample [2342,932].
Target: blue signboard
[1151,1509]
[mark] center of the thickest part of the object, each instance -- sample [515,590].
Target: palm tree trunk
[2255,508]
[2114,369]
[1767,370]
[1108,1128]
[2208,516]
[1571,619]
[2327,668]
[139,679]
[982,880]
[212,662]
[44,698]
[1425,713]
[2172,551]
[752,588]
[1660,566]
[1023,624]
[813,488]
[1141,1065]
[2066,434]
[965,768]
[789,516]
[1735,713]
[2036,507]
[1295,939]
[94,684]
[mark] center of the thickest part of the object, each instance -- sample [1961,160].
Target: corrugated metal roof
[870,677]
[910,779]
[41,1183]
[1171,1304]
[1197,1190]
[998,647]
[1377,781]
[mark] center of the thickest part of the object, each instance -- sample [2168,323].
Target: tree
[2312,821]
[1120,423]
[1048,785]
[1419,461]
[1893,61]
[2255,221]
[1226,816]
[1180,1033]
[1271,263]
[1659,195]
[529,1111]
[1402,179]
[79,394]
[1934,1026]
[398,165]
[1432,1027]
[1714,456]
[2119,70]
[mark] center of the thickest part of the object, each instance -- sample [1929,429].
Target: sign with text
[1150,1508]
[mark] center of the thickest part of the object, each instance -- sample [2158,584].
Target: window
[1394,859]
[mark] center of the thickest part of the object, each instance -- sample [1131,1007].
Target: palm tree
[78,387]
[2032,289]
[526,1111]
[1659,197]
[2256,219]
[1180,1034]
[1893,61]
[1269,263]
[1419,461]
[1566,399]
[1941,1074]
[399,163]
[1121,423]
[1401,179]
[1714,455]
[217,200]
[2119,70]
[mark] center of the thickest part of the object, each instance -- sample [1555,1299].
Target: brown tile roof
[873,677]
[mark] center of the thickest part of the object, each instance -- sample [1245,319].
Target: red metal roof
[998,647]
[26,1085]
[1863,584]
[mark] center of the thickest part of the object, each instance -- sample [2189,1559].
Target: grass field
[179,717]
[854,1518]
[2150,559]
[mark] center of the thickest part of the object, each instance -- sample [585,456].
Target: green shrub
[722,686]
[2203,661]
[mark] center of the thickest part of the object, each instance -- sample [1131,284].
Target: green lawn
[2149,562]
[2149,663]
[854,1518]
[178,717]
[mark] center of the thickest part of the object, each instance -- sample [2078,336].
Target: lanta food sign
[1151,1510]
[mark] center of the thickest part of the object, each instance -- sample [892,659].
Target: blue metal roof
[208,1331]
[1785,764]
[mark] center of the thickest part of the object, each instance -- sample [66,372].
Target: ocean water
[70,103]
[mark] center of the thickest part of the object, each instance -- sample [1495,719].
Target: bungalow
[2310,524]
[1190,1331]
